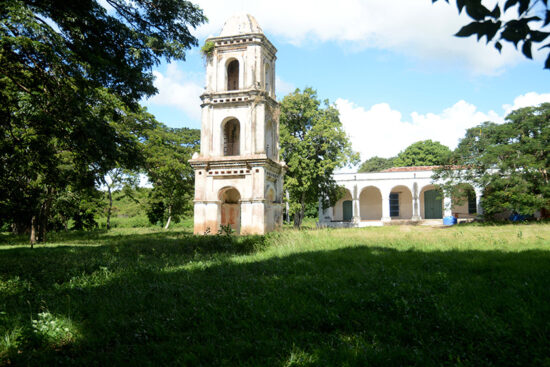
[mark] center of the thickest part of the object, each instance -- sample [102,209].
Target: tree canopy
[526,29]
[376,164]
[313,144]
[511,161]
[167,151]
[71,76]
[423,153]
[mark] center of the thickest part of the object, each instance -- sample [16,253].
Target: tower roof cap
[240,24]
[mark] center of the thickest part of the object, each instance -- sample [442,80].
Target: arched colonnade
[386,199]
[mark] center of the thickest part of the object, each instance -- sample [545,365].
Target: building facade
[400,194]
[238,174]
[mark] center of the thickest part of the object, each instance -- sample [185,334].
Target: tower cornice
[228,43]
[237,96]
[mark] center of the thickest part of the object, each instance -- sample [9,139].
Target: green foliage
[526,28]
[167,151]
[511,161]
[467,295]
[376,164]
[208,48]
[156,212]
[71,77]
[423,153]
[225,230]
[313,144]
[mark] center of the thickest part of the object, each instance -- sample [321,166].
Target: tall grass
[466,295]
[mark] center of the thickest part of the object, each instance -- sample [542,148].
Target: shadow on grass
[96,236]
[140,305]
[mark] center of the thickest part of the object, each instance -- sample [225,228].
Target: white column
[447,206]
[479,207]
[356,214]
[386,206]
[416,203]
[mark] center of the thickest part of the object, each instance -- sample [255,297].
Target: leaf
[477,11]
[498,46]
[526,49]
[469,29]
[547,63]
[547,19]
[523,6]
[509,4]
[460,5]
[515,31]
[490,29]
[538,36]
[487,28]
[496,12]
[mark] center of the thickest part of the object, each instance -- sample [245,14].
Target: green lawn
[396,295]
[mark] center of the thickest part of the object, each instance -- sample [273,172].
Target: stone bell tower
[238,175]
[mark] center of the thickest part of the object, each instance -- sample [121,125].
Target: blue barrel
[449,221]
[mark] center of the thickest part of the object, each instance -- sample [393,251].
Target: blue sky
[393,69]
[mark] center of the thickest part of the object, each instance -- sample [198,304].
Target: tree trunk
[169,217]
[299,216]
[110,207]
[33,231]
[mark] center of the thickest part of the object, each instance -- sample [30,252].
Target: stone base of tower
[244,193]
[245,218]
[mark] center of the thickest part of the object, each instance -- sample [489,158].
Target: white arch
[405,201]
[370,203]
[427,187]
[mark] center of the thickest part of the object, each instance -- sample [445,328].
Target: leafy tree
[81,205]
[71,76]
[423,153]
[167,152]
[376,164]
[313,144]
[511,161]
[119,179]
[525,29]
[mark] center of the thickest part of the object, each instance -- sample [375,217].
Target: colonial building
[238,174]
[398,195]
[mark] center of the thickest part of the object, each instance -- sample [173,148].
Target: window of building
[394,204]
[231,138]
[233,75]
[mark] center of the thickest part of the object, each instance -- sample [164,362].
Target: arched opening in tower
[233,75]
[231,208]
[231,138]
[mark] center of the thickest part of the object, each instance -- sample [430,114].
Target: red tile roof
[411,169]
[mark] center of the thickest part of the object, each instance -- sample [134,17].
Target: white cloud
[383,131]
[177,89]
[528,99]
[413,27]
